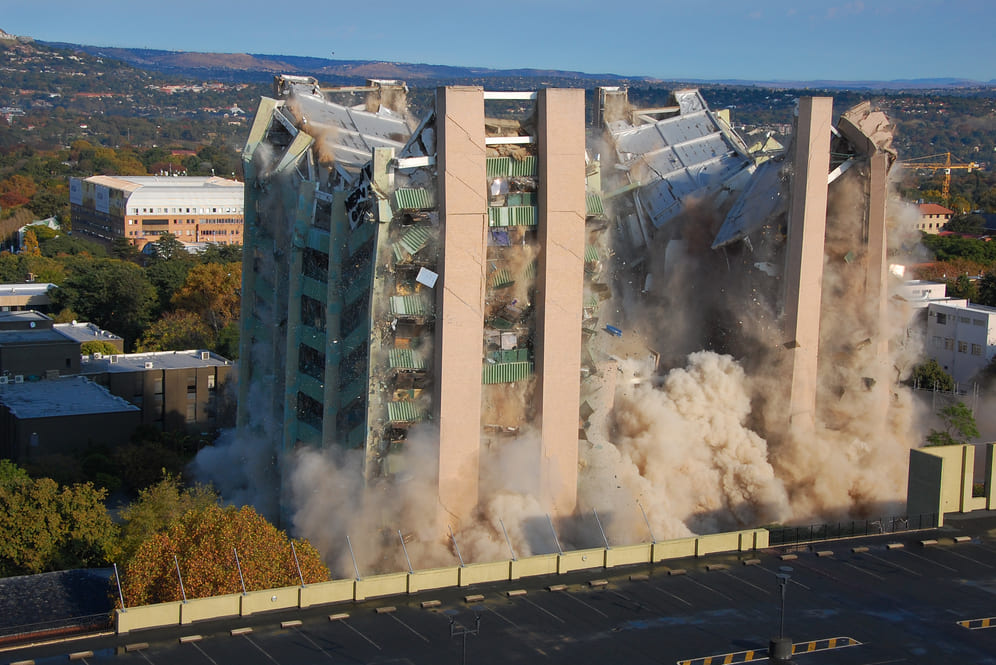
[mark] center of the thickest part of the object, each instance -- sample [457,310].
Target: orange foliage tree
[204,542]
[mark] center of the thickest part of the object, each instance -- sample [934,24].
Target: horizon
[768,41]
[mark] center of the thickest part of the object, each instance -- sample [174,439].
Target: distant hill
[258,66]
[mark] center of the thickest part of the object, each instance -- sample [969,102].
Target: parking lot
[864,601]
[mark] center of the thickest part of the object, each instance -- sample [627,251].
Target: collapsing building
[479,275]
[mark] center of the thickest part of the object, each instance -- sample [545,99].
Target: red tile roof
[934,209]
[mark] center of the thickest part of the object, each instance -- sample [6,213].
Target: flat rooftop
[26,289]
[32,336]
[69,396]
[138,362]
[86,332]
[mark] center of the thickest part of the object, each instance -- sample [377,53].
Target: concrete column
[876,284]
[559,292]
[460,159]
[804,260]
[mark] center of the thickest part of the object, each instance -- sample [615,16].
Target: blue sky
[717,39]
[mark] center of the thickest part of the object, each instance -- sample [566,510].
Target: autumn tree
[204,542]
[46,527]
[212,291]
[30,243]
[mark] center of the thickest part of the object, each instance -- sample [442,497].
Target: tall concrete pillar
[877,285]
[559,288]
[804,261]
[459,332]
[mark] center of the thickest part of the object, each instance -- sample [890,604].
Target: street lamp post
[780,649]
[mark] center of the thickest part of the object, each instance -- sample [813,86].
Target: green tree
[931,376]
[46,527]
[986,288]
[963,287]
[167,277]
[177,331]
[203,542]
[114,294]
[167,247]
[959,426]
[98,346]
[157,507]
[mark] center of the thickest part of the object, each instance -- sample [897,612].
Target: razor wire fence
[55,627]
[789,535]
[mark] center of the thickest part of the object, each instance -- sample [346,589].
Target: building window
[948,344]
[315,264]
[191,413]
[211,380]
[979,322]
[962,347]
[312,312]
[311,362]
[976,349]
[964,319]
[936,342]
[309,411]
[942,319]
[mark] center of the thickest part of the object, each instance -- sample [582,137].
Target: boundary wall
[396,584]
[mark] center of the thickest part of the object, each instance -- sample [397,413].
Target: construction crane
[934,163]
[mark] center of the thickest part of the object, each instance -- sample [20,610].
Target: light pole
[458,630]
[780,649]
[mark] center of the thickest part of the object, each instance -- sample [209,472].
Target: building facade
[933,217]
[961,337]
[142,208]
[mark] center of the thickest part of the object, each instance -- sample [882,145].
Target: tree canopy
[204,542]
[959,426]
[46,527]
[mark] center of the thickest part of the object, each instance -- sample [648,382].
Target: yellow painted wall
[477,573]
[270,599]
[718,542]
[198,609]
[391,584]
[622,556]
[581,560]
[435,578]
[674,549]
[336,591]
[761,538]
[541,564]
[148,616]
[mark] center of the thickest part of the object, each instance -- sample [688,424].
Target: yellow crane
[933,163]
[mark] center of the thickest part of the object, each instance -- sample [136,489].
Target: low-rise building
[31,348]
[142,208]
[24,296]
[84,332]
[961,337]
[175,390]
[933,217]
[59,416]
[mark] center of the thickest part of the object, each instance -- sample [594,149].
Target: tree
[168,247]
[177,331]
[204,542]
[98,346]
[963,287]
[30,243]
[986,288]
[114,294]
[931,376]
[157,507]
[213,292]
[46,527]
[959,426]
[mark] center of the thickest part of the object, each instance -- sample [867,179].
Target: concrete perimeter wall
[397,584]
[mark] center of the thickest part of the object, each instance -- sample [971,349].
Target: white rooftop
[69,396]
[85,332]
[137,362]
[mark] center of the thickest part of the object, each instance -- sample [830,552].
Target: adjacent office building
[142,208]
